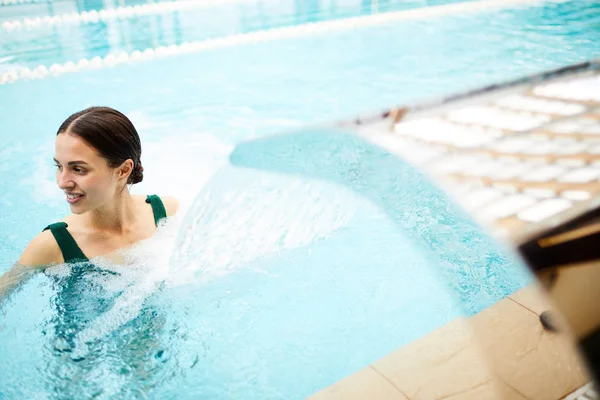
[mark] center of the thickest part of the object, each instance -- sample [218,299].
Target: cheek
[97,183]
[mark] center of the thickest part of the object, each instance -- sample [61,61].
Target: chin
[77,209]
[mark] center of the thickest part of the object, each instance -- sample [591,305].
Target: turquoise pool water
[287,280]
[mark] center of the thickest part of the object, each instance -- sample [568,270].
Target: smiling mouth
[73,198]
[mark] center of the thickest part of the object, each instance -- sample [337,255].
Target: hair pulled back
[111,133]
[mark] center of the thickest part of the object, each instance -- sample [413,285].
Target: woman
[97,156]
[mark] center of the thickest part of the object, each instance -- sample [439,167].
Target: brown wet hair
[111,133]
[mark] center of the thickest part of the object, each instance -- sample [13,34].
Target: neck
[118,215]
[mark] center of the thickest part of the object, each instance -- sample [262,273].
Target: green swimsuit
[69,248]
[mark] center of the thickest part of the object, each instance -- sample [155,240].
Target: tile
[481,197]
[576,195]
[439,365]
[513,144]
[497,390]
[540,193]
[582,90]
[544,209]
[564,127]
[511,170]
[496,118]
[581,175]
[572,148]
[521,102]
[544,174]
[508,206]
[571,162]
[364,384]
[536,363]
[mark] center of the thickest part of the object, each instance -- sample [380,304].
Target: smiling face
[87,179]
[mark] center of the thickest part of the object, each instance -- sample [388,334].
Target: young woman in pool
[97,156]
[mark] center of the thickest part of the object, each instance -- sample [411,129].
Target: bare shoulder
[171,205]
[41,251]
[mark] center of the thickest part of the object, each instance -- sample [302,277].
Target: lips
[73,198]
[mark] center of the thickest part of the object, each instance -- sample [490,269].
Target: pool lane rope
[123,57]
[16,2]
[107,15]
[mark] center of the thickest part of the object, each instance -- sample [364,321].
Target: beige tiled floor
[441,364]
[530,298]
[520,360]
[536,363]
[364,384]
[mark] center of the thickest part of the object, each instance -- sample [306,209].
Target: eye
[79,170]
[58,166]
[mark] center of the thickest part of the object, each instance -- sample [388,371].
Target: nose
[63,179]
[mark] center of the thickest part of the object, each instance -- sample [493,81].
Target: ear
[125,169]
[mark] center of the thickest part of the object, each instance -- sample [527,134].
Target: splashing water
[88,319]
[247,215]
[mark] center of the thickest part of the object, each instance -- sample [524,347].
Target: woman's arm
[41,252]
[13,278]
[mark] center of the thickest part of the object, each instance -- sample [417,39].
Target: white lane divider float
[111,60]
[106,15]
[14,2]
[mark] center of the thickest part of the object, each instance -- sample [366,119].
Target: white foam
[140,270]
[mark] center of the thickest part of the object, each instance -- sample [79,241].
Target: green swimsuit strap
[158,208]
[68,246]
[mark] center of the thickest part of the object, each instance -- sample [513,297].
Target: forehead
[70,147]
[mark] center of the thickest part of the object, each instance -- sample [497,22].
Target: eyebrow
[78,162]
